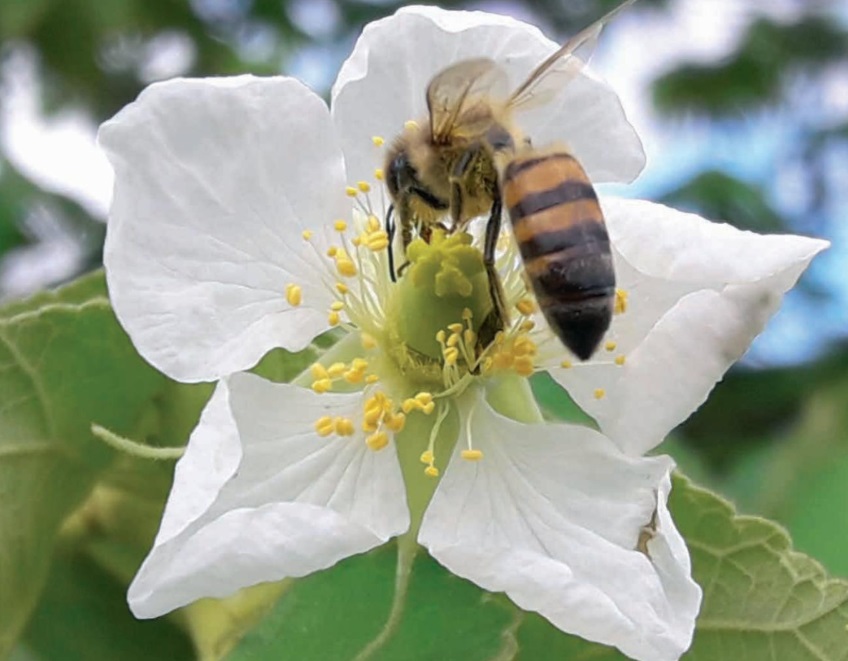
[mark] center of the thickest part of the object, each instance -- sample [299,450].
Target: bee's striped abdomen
[560,231]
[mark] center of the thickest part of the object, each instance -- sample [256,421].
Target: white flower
[233,232]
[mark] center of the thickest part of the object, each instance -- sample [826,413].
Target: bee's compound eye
[401,175]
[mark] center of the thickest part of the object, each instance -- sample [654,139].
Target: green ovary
[444,278]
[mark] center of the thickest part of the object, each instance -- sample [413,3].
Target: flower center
[422,341]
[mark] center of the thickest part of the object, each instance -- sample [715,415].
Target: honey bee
[469,158]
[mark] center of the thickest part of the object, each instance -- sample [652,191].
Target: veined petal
[552,515]
[295,503]
[215,181]
[372,95]
[698,294]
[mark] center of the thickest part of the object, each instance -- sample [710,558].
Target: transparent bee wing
[549,78]
[459,98]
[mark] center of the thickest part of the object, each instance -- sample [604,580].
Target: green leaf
[337,613]
[64,363]
[83,616]
[762,600]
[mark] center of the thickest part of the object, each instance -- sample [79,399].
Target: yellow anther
[431,471]
[344,426]
[600,393]
[440,337]
[453,340]
[395,422]
[364,186]
[354,376]
[469,336]
[620,360]
[527,325]
[332,251]
[359,364]
[346,267]
[451,355]
[565,364]
[368,341]
[620,305]
[378,241]
[372,378]
[306,234]
[455,328]
[337,306]
[524,346]
[428,408]
[340,226]
[373,224]
[333,318]
[372,404]
[342,288]
[322,385]
[525,306]
[318,371]
[467,314]
[336,370]
[350,191]
[324,426]
[471,455]
[427,457]
[377,440]
[610,346]
[523,365]
[410,124]
[356,241]
[378,141]
[409,405]
[424,398]
[378,174]
[502,360]
[294,294]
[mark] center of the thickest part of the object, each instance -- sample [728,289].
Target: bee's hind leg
[498,318]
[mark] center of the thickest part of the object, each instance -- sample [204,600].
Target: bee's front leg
[458,175]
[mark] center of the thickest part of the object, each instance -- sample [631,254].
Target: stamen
[371,378]
[350,191]
[368,341]
[363,186]
[377,440]
[431,471]
[306,234]
[525,306]
[336,370]
[610,346]
[566,364]
[344,426]
[342,288]
[620,360]
[600,393]
[337,306]
[410,125]
[333,318]
[322,385]
[471,455]
[324,425]
[340,226]
[318,371]
[426,457]
[378,141]
[294,294]
[620,306]
[378,174]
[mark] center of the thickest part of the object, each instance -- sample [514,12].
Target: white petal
[383,83]
[698,294]
[296,502]
[215,181]
[552,516]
